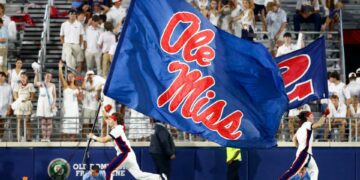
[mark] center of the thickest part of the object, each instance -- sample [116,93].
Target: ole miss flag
[304,74]
[172,64]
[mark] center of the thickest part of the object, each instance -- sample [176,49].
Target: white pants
[72,53]
[92,59]
[313,169]
[132,166]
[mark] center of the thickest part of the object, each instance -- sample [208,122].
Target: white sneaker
[163,176]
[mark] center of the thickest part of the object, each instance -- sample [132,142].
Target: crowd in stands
[89,39]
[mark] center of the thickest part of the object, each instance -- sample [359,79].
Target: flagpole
[87,154]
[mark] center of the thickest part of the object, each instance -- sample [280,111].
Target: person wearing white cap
[358,75]
[353,87]
[116,13]
[90,102]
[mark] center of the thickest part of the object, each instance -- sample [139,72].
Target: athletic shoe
[163,176]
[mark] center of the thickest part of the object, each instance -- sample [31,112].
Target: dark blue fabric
[246,77]
[317,72]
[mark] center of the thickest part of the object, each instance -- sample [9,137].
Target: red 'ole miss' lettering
[186,89]
[295,68]
[190,40]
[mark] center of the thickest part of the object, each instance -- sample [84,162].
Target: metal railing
[140,129]
[45,35]
[342,51]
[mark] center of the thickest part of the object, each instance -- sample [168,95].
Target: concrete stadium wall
[198,163]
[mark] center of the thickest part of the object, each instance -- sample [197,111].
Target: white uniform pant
[128,161]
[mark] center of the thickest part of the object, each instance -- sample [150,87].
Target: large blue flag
[172,64]
[304,74]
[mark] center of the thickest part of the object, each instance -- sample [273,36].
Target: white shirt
[121,143]
[284,49]
[14,78]
[358,80]
[339,112]
[274,21]
[6,20]
[92,36]
[12,31]
[90,101]
[259,2]
[24,92]
[353,112]
[113,49]
[115,15]
[71,31]
[353,88]
[302,136]
[107,39]
[5,98]
[340,91]
[297,111]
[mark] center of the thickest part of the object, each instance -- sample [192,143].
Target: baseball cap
[352,74]
[90,72]
[358,70]
[114,1]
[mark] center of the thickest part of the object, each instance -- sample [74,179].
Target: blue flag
[304,74]
[172,64]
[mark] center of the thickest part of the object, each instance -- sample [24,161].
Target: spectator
[226,9]
[106,40]
[288,47]
[355,115]
[23,95]
[90,102]
[71,36]
[233,158]
[14,74]
[294,113]
[332,13]
[202,6]
[276,24]
[116,13]
[6,19]
[358,75]
[337,114]
[246,20]
[162,148]
[5,102]
[92,51]
[71,94]
[353,88]
[4,37]
[260,9]
[307,11]
[338,88]
[46,105]
[95,174]
[85,8]
[97,9]
[213,13]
